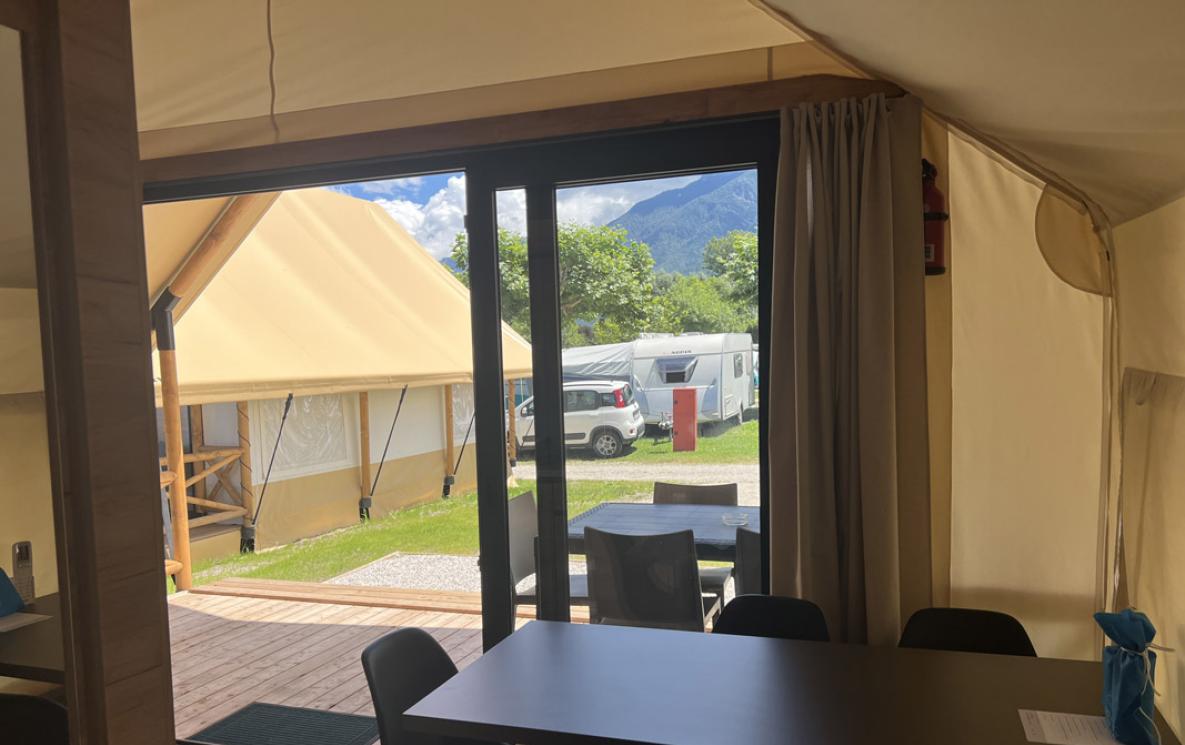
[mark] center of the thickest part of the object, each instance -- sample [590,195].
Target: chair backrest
[748,562]
[644,580]
[401,668]
[32,720]
[524,528]
[773,617]
[967,630]
[722,494]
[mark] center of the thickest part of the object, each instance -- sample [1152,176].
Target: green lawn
[441,527]
[720,444]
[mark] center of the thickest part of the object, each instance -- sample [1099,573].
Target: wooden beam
[175,457]
[197,440]
[217,517]
[246,479]
[712,103]
[211,504]
[95,327]
[449,454]
[200,477]
[364,442]
[206,454]
[212,247]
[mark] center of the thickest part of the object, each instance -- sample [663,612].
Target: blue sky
[432,208]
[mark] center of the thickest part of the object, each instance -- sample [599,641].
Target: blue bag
[1129,671]
[10,599]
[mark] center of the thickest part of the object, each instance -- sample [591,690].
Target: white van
[718,366]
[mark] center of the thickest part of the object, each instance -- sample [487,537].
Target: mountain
[678,223]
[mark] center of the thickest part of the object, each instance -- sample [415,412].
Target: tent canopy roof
[327,293]
[1093,91]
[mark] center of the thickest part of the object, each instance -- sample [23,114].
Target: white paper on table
[1065,729]
[17,620]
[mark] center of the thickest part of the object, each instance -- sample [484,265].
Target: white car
[600,415]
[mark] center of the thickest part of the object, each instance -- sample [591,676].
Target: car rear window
[627,393]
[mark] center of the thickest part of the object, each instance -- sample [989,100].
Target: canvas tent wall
[325,296]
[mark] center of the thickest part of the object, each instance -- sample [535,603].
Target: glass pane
[659,304]
[27,540]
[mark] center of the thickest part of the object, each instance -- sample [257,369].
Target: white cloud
[392,186]
[603,203]
[435,223]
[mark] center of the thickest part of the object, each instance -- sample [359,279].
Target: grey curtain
[848,445]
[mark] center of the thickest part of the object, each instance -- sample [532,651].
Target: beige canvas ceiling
[1093,91]
[327,293]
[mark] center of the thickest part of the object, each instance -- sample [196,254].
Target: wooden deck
[239,641]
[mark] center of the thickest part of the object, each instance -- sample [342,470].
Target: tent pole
[162,316]
[511,433]
[246,479]
[449,453]
[364,448]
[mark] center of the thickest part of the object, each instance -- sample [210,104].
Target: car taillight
[619,399]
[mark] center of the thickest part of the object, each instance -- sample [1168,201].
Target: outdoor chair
[773,617]
[645,580]
[748,564]
[713,579]
[32,720]
[524,529]
[401,668]
[967,630]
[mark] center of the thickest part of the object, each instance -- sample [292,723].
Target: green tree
[694,303]
[733,257]
[606,282]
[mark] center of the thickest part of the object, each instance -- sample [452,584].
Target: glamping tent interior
[1006,435]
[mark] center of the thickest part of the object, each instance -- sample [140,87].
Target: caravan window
[676,369]
[738,365]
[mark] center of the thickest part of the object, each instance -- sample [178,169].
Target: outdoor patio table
[714,540]
[576,683]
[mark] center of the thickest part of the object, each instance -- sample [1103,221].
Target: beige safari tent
[1055,342]
[323,296]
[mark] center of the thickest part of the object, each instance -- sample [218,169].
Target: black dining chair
[645,580]
[967,630]
[401,668]
[524,529]
[712,579]
[32,720]
[748,563]
[773,617]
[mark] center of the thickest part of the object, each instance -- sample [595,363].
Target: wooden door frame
[92,294]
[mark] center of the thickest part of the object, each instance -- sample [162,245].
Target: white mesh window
[316,436]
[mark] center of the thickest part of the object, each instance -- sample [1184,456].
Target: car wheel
[607,443]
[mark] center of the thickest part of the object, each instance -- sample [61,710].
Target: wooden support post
[449,454]
[511,430]
[175,455]
[364,442]
[197,440]
[245,476]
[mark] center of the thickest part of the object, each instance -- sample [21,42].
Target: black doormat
[271,724]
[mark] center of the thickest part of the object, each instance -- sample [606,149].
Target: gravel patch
[425,572]
[747,476]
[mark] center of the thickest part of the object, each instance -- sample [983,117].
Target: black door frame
[539,168]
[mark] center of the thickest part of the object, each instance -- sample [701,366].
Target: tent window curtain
[849,478]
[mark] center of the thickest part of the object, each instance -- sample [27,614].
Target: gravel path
[746,475]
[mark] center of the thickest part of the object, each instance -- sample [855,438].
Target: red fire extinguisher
[934,215]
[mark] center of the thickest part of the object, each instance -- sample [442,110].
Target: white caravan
[718,366]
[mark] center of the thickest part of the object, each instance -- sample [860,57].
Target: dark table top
[713,539]
[34,652]
[575,683]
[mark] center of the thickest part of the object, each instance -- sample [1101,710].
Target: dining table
[35,652]
[566,683]
[714,526]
